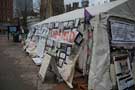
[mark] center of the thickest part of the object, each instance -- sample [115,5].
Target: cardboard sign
[44,67]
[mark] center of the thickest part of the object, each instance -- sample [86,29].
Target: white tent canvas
[100,60]
[79,13]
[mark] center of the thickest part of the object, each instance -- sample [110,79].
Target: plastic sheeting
[100,61]
[99,78]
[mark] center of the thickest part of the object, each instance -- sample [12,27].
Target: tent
[79,13]
[96,10]
[99,59]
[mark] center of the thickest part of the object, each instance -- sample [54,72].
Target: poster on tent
[41,30]
[64,32]
[66,62]
[59,41]
[122,32]
[42,35]
[123,72]
[65,36]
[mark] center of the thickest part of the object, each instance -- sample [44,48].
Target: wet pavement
[10,70]
[17,71]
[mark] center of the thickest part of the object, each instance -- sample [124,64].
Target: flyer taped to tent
[57,40]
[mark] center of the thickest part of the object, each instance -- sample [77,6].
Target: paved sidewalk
[17,71]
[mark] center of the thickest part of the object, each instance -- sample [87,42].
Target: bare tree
[51,8]
[23,10]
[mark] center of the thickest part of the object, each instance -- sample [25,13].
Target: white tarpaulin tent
[100,61]
[79,13]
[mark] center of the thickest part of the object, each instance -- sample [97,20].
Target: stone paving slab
[17,70]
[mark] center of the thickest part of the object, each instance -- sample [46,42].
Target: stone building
[10,9]
[22,7]
[6,10]
[51,8]
[85,3]
[98,2]
[73,6]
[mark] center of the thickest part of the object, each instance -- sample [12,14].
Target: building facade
[22,7]
[51,8]
[6,10]
[85,3]
[10,9]
[97,2]
[73,6]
